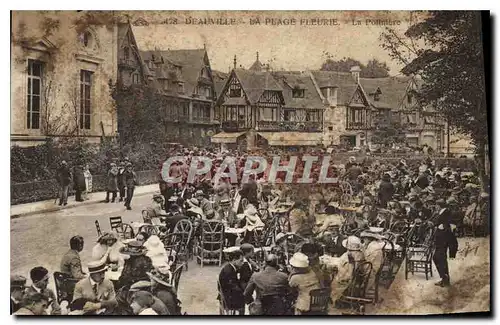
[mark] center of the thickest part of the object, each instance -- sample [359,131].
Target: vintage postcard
[249,163]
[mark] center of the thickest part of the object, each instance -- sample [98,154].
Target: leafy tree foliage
[445,49]
[374,68]
[387,130]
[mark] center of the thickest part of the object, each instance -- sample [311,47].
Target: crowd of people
[274,280]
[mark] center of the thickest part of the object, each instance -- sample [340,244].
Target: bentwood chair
[98,228]
[211,244]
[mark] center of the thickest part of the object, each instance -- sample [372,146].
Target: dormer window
[298,93]
[376,97]
[180,87]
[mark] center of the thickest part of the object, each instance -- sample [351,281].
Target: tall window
[357,116]
[135,79]
[126,53]
[34,94]
[85,98]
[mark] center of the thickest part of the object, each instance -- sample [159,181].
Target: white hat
[352,243]
[299,260]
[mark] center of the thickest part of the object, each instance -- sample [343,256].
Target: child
[142,302]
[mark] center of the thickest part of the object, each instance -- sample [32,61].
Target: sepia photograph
[275,163]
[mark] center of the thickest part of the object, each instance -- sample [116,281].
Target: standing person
[40,278]
[88,182]
[71,263]
[33,304]
[130,182]
[63,179]
[229,284]
[17,288]
[112,182]
[385,190]
[78,182]
[442,239]
[121,181]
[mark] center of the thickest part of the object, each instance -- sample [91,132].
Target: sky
[290,47]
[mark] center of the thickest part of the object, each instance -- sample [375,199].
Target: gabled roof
[257,66]
[342,80]
[191,62]
[220,79]
[298,80]
[393,90]
[254,83]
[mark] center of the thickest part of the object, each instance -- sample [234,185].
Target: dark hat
[38,273]
[17,281]
[134,248]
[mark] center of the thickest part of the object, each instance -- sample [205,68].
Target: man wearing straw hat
[99,291]
[303,280]
[373,248]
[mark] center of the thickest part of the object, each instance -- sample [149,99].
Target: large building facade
[60,77]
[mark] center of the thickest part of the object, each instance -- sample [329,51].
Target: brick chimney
[355,70]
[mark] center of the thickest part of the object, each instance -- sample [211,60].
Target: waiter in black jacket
[444,239]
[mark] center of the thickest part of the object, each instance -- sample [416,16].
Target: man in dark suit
[17,288]
[71,263]
[63,179]
[271,288]
[249,266]
[230,286]
[443,240]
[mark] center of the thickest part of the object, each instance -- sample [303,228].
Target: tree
[445,49]
[140,114]
[387,131]
[374,68]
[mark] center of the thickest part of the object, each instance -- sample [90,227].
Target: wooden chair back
[98,228]
[319,301]
[127,231]
[116,223]
[65,286]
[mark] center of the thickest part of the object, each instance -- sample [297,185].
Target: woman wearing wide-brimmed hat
[162,288]
[302,280]
[136,265]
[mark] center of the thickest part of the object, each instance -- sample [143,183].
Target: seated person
[162,288]
[136,264]
[33,304]
[107,248]
[175,215]
[141,304]
[124,299]
[99,291]
[302,280]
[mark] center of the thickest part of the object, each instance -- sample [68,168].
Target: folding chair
[116,224]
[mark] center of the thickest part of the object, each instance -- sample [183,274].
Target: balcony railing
[306,126]
[358,125]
